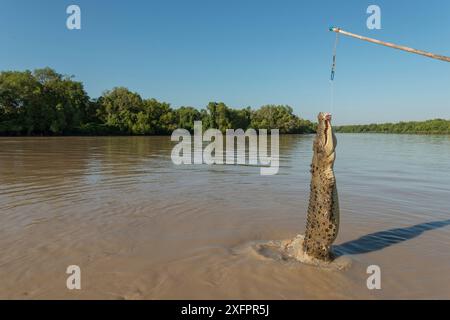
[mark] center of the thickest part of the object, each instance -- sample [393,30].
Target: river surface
[140,227]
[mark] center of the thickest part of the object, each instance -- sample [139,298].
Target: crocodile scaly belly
[323,218]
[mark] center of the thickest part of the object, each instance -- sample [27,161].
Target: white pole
[391,45]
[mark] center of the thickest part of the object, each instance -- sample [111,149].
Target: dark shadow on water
[383,239]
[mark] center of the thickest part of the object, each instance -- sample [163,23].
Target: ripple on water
[120,206]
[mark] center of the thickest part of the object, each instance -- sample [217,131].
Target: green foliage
[281,117]
[436,126]
[44,102]
[222,117]
[186,117]
[119,108]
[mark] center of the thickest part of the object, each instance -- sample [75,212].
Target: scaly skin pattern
[322,224]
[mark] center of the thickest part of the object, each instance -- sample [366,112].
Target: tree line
[44,102]
[436,126]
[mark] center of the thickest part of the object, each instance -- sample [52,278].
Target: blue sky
[242,52]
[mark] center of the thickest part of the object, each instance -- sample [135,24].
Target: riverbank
[44,102]
[435,126]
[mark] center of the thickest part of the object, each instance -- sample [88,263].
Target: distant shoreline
[168,135]
[434,126]
[46,103]
[399,133]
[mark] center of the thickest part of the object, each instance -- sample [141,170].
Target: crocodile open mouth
[327,119]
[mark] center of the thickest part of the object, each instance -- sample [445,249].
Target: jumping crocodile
[322,224]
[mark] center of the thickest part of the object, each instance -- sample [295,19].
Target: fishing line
[333,71]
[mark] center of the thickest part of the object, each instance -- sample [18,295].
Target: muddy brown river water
[140,227]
